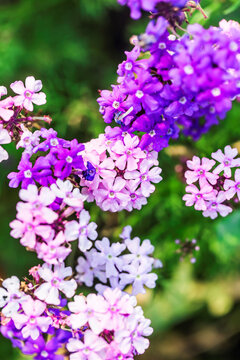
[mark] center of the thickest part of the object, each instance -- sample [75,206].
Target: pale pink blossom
[216,206]
[28,94]
[31,321]
[55,282]
[128,153]
[198,197]
[89,310]
[227,160]
[37,202]
[92,348]
[54,250]
[83,230]
[200,171]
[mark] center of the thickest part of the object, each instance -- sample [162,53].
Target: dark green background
[74,47]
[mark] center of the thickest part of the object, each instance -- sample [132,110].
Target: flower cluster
[124,173]
[166,83]
[108,326]
[119,265]
[158,7]
[14,111]
[216,183]
[187,82]
[59,159]
[41,221]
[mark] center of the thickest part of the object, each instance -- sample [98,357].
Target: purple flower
[67,159]
[43,350]
[29,174]
[112,102]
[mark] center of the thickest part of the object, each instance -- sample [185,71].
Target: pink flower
[198,197]
[54,251]
[111,195]
[4,139]
[82,230]
[71,197]
[226,160]
[137,199]
[32,320]
[133,335]
[37,203]
[92,348]
[232,187]
[28,94]
[215,206]
[6,105]
[200,171]
[89,310]
[27,228]
[55,282]
[145,176]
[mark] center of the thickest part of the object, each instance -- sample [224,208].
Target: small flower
[10,296]
[83,231]
[37,202]
[32,320]
[138,275]
[198,197]
[71,197]
[55,282]
[89,310]
[89,349]
[109,256]
[28,94]
[216,206]
[226,160]
[200,171]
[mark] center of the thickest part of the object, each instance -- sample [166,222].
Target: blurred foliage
[74,46]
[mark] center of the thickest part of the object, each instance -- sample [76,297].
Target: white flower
[71,197]
[54,282]
[10,296]
[82,230]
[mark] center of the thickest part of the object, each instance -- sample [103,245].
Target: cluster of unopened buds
[166,83]
[218,183]
[187,249]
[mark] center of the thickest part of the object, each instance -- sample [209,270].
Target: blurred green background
[74,47]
